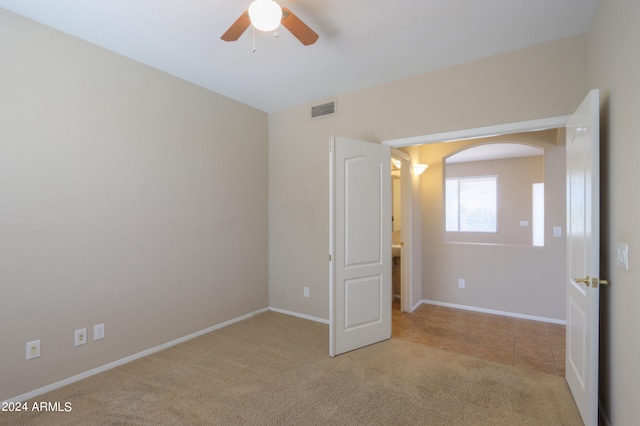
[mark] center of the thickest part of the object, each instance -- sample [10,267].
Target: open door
[583,257]
[360,244]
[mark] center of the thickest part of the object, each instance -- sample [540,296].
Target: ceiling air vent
[322,110]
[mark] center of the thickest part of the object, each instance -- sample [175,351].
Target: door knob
[585,280]
[594,282]
[597,281]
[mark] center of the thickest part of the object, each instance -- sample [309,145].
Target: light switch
[622,257]
[524,223]
[557,231]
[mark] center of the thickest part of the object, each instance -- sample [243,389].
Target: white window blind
[471,204]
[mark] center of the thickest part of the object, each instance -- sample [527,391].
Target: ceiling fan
[267,15]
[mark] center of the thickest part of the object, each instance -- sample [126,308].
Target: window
[537,214]
[471,204]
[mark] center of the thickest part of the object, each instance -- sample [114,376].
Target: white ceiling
[362,42]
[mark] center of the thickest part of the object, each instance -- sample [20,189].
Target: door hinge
[329,258]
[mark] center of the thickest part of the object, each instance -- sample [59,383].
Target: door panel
[578,320]
[583,261]
[363,215]
[363,299]
[360,221]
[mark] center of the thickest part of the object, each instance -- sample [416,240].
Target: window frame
[468,178]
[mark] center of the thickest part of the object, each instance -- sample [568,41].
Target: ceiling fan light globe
[265,15]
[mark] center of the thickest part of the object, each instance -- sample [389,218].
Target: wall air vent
[323,110]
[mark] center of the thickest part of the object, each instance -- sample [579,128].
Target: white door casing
[583,257]
[360,244]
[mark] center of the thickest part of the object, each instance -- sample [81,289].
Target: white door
[583,260]
[360,244]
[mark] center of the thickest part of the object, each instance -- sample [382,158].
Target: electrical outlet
[81,336]
[98,331]
[306,292]
[33,349]
[461,283]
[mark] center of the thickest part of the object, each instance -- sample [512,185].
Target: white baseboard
[125,360]
[492,311]
[304,316]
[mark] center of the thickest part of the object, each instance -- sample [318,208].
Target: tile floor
[527,344]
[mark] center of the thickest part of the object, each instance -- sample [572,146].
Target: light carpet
[274,369]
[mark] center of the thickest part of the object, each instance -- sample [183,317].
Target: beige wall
[510,278]
[614,68]
[538,82]
[127,197]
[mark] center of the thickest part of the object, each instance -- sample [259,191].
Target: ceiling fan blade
[299,29]
[237,28]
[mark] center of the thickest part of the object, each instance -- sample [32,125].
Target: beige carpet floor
[274,369]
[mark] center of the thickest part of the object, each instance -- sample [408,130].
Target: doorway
[516,161]
[497,278]
[403,254]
